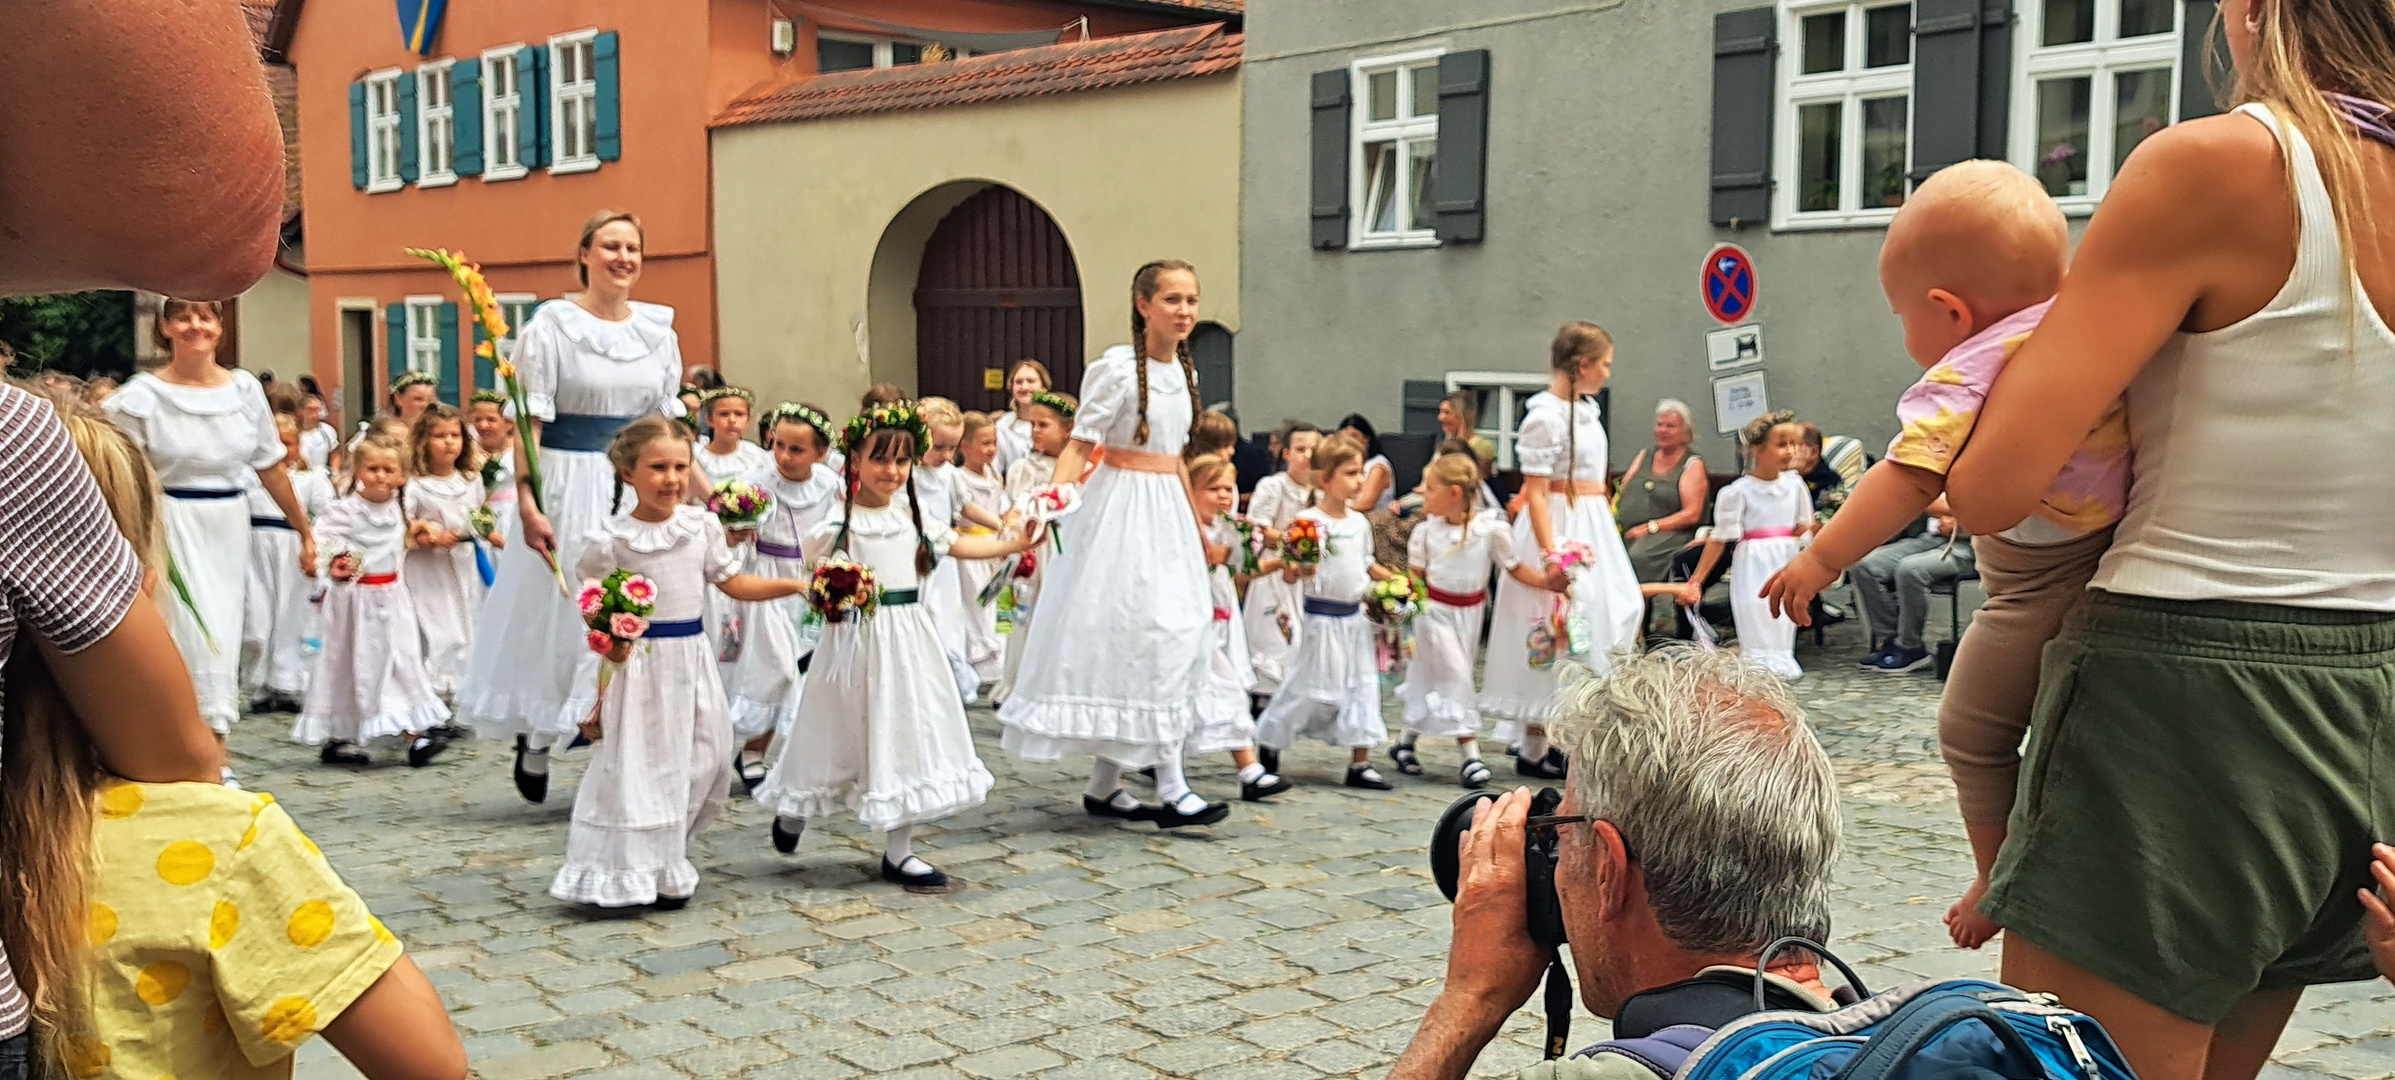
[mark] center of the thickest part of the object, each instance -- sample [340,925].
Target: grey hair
[1675,407]
[1710,772]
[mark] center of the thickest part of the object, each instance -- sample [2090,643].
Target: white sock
[1189,802]
[899,846]
[1171,783]
[1251,772]
[1470,749]
[536,763]
[1105,778]
[1534,746]
[751,757]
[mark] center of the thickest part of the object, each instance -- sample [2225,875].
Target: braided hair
[1143,287]
[1578,340]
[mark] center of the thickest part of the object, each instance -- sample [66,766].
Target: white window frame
[1404,130]
[2098,61]
[516,308]
[424,348]
[563,94]
[1509,389]
[884,48]
[436,128]
[494,106]
[1849,87]
[382,132]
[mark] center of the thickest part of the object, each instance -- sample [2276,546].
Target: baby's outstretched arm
[1890,497]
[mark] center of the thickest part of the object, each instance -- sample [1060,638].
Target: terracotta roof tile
[1096,64]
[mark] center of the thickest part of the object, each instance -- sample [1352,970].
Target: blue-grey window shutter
[357,136]
[465,110]
[486,373]
[2203,58]
[1460,181]
[1962,82]
[532,93]
[408,149]
[394,344]
[610,136]
[1331,137]
[1743,44]
[448,373]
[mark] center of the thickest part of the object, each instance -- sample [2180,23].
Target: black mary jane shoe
[1550,767]
[425,748]
[1105,808]
[752,773]
[670,903]
[1269,758]
[786,840]
[1407,761]
[1363,776]
[534,789]
[451,732]
[1473,775]
[341,753]
[1264,787]
[929,879]
[1169,816]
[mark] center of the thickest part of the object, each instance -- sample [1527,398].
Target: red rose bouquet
[842,587]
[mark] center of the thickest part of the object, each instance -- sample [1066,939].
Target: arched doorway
[998,284]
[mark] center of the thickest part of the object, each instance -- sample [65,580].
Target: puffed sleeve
[721,561]
[670,404]
[598,555]
[268,452]
[1500,535]
[1729,513]
[817,544]
[1539,445]
[129,409]
[1417,546]
[336,526]
[1106,392]
[539,350]
[942,537]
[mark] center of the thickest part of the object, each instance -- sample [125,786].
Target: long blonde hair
[2304,50]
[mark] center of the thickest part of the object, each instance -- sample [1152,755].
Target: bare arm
[399,1030]
[1890,497]
[133,696]
[989,547]
[754,589]
[537,534]
[165,101]
[1706,562]
[1695,486]
[981,516]
[1375,482]
[1072,462]
[1534,503]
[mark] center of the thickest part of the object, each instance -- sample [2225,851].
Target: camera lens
[1544,911]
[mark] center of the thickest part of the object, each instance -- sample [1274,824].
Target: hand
[537,534]
[1791,591]
[1217,554]
[307,555]
[1688,595]
[1012,520]
[1558,580]
[1639,531]
[1946,525]
[1291,573]
[1493,966]
[2378,922]
[497,540]
[443,538]
[617,653]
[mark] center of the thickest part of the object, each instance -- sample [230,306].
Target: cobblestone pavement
[1299,939]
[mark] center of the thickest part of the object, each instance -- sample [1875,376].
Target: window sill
[385,187]
[504,172]
[1398,242]
[1824,222]
[443,180]
[583,165]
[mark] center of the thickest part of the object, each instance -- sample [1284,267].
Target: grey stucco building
[1582,159]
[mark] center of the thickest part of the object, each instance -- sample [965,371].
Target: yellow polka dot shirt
[222,938]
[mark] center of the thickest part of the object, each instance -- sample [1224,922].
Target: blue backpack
[1956,1029]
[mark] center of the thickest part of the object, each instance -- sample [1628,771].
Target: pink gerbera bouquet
[616,609]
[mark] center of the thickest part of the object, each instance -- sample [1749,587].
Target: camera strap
[1559,1008]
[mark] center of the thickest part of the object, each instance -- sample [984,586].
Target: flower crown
[707,400]
[412,378]
[898,417]
[1048,399]
[488,397]
[1760,427]
[795,413]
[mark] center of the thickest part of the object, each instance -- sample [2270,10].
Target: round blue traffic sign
[1729,284]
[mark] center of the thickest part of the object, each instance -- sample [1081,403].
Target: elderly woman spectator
[1662,495]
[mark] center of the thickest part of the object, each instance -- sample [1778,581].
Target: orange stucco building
[501,130]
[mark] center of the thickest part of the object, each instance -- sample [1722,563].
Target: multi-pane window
[502,115]
[424,334]
[1396,151]
[573,94]
[435,125]
[382,131]
[1503,397]
[516,308]
[2095,78]
[847,52]
[1845,111]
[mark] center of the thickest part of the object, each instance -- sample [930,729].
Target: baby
[1970,265]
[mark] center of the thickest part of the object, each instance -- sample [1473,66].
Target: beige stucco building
[929,225]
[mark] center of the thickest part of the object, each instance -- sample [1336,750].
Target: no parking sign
[1729,284]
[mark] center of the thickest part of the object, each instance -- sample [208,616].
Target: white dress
[1388,491]
[944,592]
[500,493]
[983,650]
[1762,516]
[1274,618]
[572,362]
[1332,691]
[1456,560]
[1606,593]
[746,457]
[203,440]
[278,616]
[1224,722]
[662,766]
[1025,476]
[1117,656]
[444,583]
[370,681]
[725,627]
[881,734]
[316,446]
[764,684]
[1014,440]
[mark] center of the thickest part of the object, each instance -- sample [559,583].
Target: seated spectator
[1892,584]
[1662,495]
[1459,411]
[1831,467]
[1689,769]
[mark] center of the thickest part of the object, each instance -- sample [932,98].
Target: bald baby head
[1978,241]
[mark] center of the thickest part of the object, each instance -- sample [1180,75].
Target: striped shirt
[66,574]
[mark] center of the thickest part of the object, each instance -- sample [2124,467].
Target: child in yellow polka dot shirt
[223,940]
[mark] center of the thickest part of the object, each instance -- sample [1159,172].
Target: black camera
[1538,857]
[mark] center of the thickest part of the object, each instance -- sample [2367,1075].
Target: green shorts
[2201,789]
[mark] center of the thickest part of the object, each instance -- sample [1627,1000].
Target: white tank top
[2259,449]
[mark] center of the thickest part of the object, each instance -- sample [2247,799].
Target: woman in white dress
[1117,658]
[1561,448]
[443,491]
[1026,378]
[207,430]
[591,363]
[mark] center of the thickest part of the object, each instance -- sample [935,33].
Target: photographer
[1700,822]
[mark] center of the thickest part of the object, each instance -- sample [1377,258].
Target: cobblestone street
[1298,939]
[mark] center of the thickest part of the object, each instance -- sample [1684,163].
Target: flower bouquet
[842,587]
[739,504]
[1393,601]
[1045,506]
[483,520]
[1254,541]
[1830,503]
[617,609]
[1302,543]
[345,565]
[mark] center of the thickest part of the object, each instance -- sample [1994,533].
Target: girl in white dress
[1026,378]
[1051,416]
[980,489]
[1333,688]
[766,681]
[319,442]
[1224,723]
[443,491]
[590,363]
[208,432]
[495,442]
[1116,658]
[370,681]
[1764,512]
[1380,477]
[1561,449]
[727,455]
[942,492]
[1274,617]
[879,734]
[278,618]
[1453,551]
[662,766]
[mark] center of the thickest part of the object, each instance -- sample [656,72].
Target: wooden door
[998,285]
